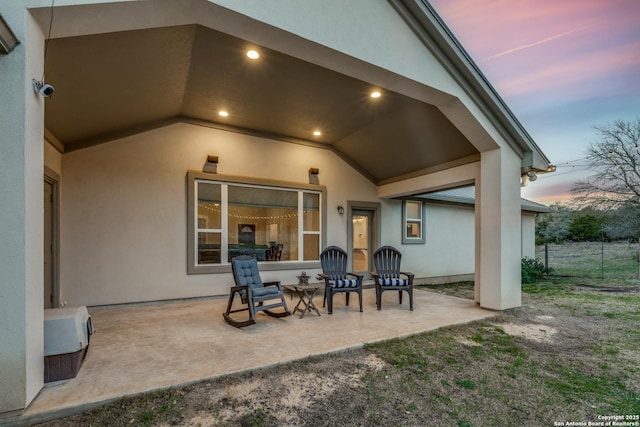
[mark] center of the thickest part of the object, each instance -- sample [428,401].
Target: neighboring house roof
[467,196]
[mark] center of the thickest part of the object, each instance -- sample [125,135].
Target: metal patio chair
[388,276]
[336,277]
[253,293]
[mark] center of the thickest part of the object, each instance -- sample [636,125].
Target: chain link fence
[593,260]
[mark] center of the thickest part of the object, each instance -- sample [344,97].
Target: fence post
[602,253]
[546,258]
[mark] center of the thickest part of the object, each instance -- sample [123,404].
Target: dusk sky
[561,66]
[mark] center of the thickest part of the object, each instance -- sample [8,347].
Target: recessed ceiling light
[317,133]
[376,94]
[223,113]
[253,54]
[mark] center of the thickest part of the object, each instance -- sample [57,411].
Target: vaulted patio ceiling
[113,84]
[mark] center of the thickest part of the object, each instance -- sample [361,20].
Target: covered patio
[143,347]
[355,107]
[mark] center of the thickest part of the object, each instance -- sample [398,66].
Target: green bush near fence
[532,270]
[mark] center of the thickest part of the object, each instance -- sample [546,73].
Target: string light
[234,213]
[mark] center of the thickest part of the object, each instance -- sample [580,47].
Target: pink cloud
[547,192]
[526,46]
[567,64]
[488,27]
[582,70]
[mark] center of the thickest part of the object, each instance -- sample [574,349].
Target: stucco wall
[123,213]
[499,231]
[359,28]
[52,158]
[528,235]
[21,221]
[450,239]
[449,246]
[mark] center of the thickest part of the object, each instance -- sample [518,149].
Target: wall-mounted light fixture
[211,165]
[313,176]
[532,174]
[8,40]
[340,210]
[528,177]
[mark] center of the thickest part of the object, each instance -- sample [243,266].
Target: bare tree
[615,164]
[624,223]
[614,183]
[554,226]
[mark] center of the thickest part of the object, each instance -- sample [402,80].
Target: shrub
[532,270]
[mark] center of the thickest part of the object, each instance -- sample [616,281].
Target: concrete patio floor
[138,348]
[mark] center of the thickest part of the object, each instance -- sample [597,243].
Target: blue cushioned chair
[336,278]
[253,292]
[388,276]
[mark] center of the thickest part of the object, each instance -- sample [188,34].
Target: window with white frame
[271,223]
[412,222]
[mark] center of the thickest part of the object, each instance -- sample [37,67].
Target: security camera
[46,90]
[43,89]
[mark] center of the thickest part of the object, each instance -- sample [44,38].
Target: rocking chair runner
[335,275]
[388,276]
[253,292]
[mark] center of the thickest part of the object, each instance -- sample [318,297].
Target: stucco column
[21,218]
[498,231]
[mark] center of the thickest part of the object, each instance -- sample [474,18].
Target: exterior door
[50,244]
[361,237]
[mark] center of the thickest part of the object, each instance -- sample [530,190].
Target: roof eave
[438,38]
[525,205]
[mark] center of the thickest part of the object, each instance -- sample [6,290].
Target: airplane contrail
[526,46]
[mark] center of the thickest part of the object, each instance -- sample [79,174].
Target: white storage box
[66,338]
